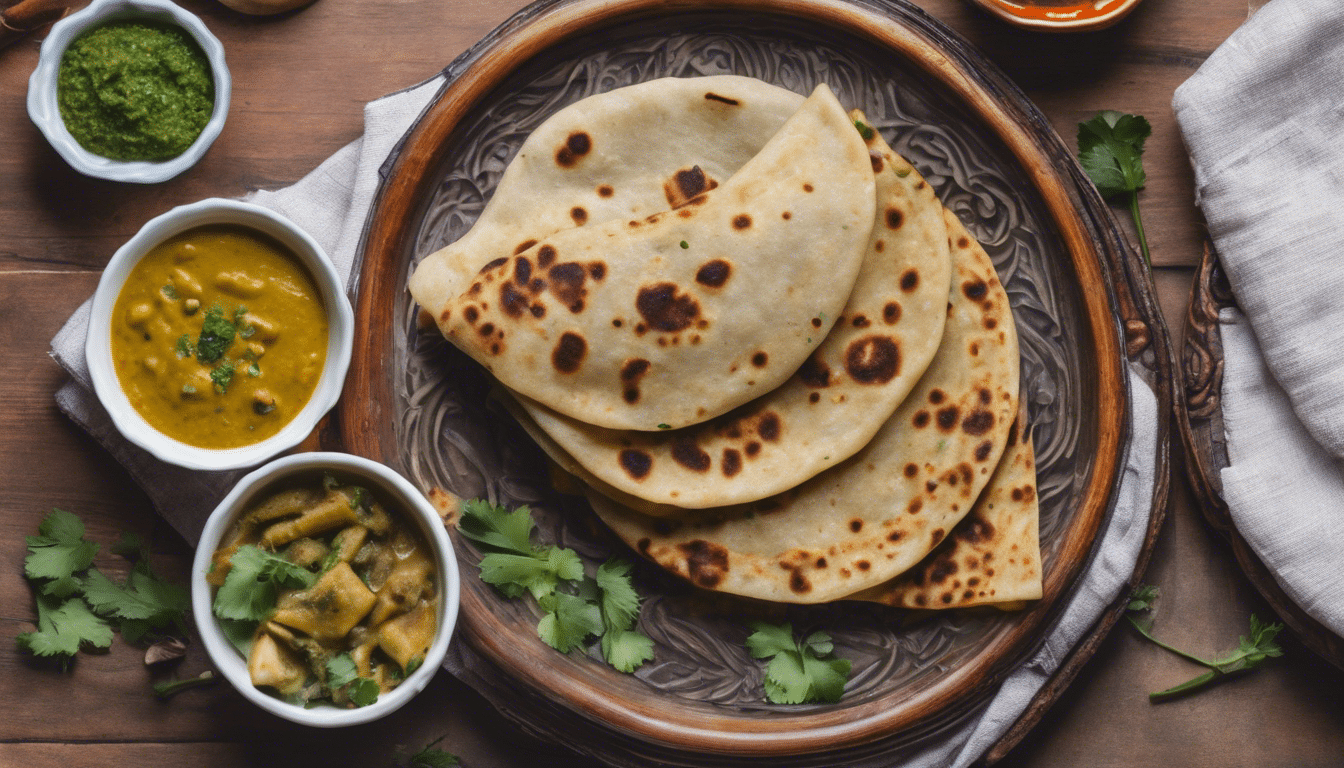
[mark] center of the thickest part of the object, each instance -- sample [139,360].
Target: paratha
[877,514]
[663,142]
[993,556]
[880,345]
[688,313]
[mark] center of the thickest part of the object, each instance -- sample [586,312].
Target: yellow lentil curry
[219,337]
[330,595]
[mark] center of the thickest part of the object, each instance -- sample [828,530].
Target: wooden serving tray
[1201,426]
[1084,308]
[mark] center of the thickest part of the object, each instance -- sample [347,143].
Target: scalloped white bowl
[98,348]
[46,114]
[394,490]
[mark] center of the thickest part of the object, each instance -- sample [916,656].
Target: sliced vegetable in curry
[330,595]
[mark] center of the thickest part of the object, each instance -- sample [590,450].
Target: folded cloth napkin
[331,204]
[1259,120]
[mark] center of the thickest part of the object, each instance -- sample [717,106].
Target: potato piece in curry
[355,607]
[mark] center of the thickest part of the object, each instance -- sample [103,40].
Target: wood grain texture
[300,81]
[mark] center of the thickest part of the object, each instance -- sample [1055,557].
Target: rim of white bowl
[46,114]
[98,347]
[231,663]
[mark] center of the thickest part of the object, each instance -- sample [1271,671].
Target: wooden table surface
[300,81]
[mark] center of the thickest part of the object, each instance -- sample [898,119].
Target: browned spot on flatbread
[605,190]
[686,185]
[706,563]
[567,283]
[546,256]
[937,396]
[768,427]
[664,309]
[982,450]
[575,147]
[523,246]
[941,569]
[909,280]
[567,357]
[875,158]
[856,525]
[814,373]
[921,419]
[597,270]
[814,397]
[799,583]
[579,215]
[741,221]
[714,274]
[914,506]
[471,314]
[636,463]
[760,359]
[494,264]
[911,469]
[895,218]
[731,463]
[975,290]
[689,455]
[947,418]
[937,536]
[873,360]
[975,530]
[752,448]
[712,96]
[891,313]
[977,423]
[511,301]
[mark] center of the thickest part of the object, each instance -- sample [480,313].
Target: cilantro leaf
[865,130]
[144,603]
[494,526]
[363,692]
[625,649]
[620,601]
[569,621]
[58,552]
[252,586]
[341,671]
[62,626]
[1251,651]
[432,757]
[538,574]
[216,335]
[222,376]
[1110,149]
[798,672]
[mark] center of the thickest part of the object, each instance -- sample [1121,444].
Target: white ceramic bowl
[46,114]
[98,349]
[396,493]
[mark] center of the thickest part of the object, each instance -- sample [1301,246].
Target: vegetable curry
[330,595]
[219,337]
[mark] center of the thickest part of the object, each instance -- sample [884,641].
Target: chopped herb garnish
[253,370]
[184,347]
[865,130]
[664,426]
[685,245]
[169,292]
[216,336]
[222,375]
[188,389]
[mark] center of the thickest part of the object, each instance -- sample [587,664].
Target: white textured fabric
[1260,120]
[1294,526]
[331,204]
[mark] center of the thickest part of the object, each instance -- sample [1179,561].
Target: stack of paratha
[781,367]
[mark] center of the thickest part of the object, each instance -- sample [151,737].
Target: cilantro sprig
[1110,149]
[1251,651]
[78,605]
[342,673]
[798,672]
[254,581]
[577,607]
[432,757]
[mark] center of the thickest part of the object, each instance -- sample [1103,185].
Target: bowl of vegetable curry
[325,589]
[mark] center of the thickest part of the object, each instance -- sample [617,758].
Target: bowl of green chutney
[130,90]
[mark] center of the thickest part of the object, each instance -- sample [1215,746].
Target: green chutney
[135,90]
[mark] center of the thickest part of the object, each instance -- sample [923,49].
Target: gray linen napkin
[331,204]
[1260,119]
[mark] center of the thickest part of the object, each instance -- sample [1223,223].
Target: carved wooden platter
[1201,426]
[1082,302]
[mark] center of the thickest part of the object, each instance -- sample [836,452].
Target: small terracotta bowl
[1060,16]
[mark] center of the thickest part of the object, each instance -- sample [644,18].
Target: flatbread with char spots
[620,155]
[880,512]
[830,408]
[684,315]
[993,556]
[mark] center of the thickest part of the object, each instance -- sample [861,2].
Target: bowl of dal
[220,335]
[130,90]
